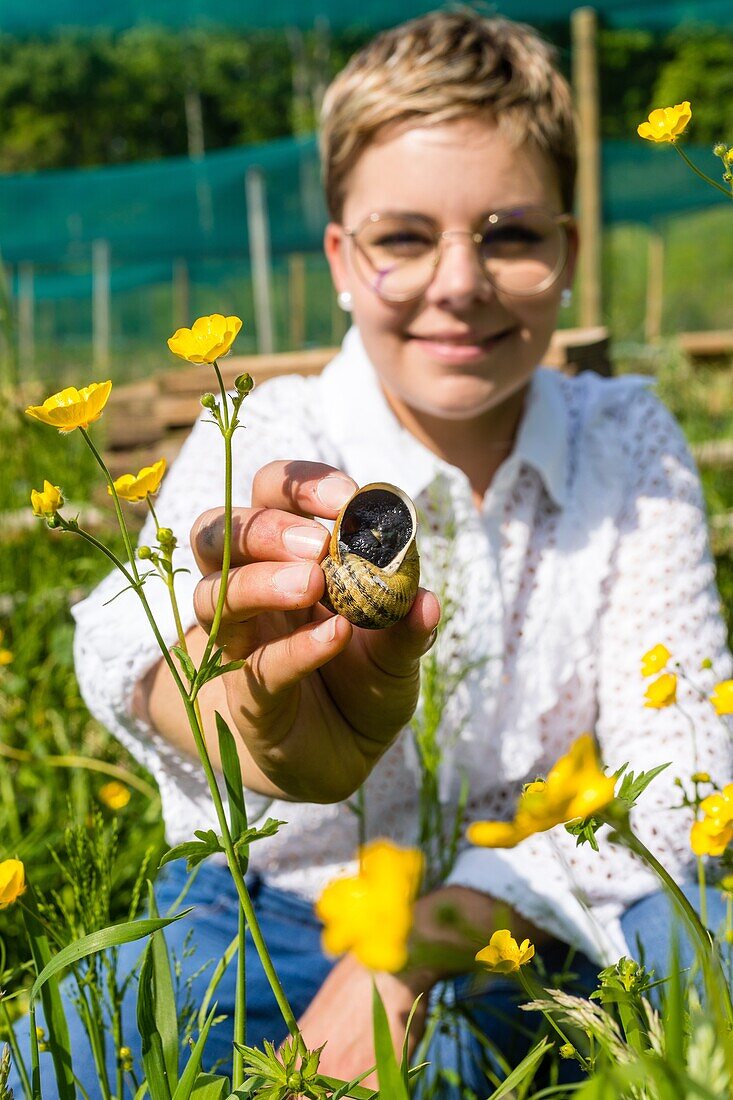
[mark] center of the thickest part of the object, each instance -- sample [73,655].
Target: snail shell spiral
[373,568]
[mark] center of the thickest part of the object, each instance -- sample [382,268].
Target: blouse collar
[376,447]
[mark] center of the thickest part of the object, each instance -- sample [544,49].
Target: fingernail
[334,491]
[306,542]
[431,641]
[325,631]
[293,579]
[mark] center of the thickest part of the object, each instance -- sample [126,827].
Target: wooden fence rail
[150,419]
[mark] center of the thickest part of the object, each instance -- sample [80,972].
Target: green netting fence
[22,17]
[103,262]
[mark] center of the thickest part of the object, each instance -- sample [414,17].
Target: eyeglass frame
[563,220]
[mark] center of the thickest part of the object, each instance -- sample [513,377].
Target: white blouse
[590,548]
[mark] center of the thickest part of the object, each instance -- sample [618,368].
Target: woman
[449,163]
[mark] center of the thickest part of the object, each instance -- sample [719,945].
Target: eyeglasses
[520,251]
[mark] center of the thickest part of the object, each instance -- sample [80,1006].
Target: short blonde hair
[442,66]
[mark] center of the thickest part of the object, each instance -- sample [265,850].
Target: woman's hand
[318,701]
[340,1015]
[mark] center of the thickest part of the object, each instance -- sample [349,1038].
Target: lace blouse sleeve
[660,588]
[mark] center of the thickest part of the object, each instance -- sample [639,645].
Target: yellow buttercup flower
[208,339]
[654,660]
[665,124]
[136,487]
[713,833]
[504,955]
[47,501]
[72,408]
[662,692]
[12,881]
[6,657]
[722,697]
[114,795]
[370,913]
[575,788]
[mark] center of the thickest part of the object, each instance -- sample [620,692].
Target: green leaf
[389,1074]
[186,663]
[153,1058]
[632,786]
[191,1073]
[232,778]
[405,1063]
[216,977]
[99,941]
[58,1032]
[194,851]
[524,1071]
[164,998]
[209,1086]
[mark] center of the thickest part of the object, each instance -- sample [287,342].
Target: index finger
[304,488]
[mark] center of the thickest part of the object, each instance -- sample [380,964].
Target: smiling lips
[458,348]
[459,339]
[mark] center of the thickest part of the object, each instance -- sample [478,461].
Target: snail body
[373,567]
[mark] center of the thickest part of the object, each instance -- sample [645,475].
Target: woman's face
[461,348]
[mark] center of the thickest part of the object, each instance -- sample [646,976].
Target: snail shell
[373,568]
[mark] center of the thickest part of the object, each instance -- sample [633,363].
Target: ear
[334,248]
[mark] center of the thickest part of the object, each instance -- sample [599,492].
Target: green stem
[35,1067]
[240,1005]
[701,174]
[194,717]
[74,530]
[710,959]
[703,891]
[15,1051]
[118,507]
[228,431]
[149,502]
[553,1024]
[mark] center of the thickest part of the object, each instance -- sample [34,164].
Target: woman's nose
[459,277]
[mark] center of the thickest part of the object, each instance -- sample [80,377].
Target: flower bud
[567,1050]
[720,149]
[706,663]
[243,384]
[144,553]
[700,777]
[728,177]
[165,535]
[208,401]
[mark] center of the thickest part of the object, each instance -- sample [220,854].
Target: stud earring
[566,297]
[344,300]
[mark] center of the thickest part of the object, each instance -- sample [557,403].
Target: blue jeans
[460,1009]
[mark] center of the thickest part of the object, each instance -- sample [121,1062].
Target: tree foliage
[94,97]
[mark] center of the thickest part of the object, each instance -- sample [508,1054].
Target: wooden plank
[713,453]
[198,380]
[584,34]
[707,345]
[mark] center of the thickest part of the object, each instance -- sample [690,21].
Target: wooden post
[26,310]
[100,304]
[259,254]
[654,286]
[296,299]
[181,294]
[584,28]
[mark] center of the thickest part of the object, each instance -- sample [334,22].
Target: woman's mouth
[459,348]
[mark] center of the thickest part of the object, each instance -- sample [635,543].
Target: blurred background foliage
[84,98]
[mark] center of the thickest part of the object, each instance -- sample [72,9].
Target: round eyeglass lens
[395,256]
[523,251]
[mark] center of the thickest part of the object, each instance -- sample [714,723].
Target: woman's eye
[404,241]
[512,235]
